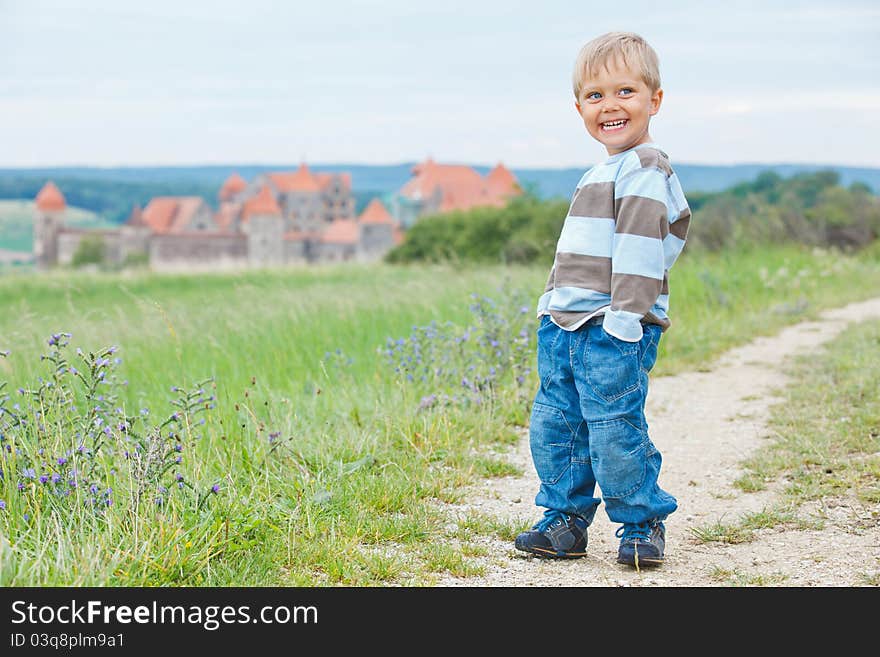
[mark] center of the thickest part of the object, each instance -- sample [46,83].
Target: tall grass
[340,405]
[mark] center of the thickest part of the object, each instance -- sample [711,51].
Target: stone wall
[197,251]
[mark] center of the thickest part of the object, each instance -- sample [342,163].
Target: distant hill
[108,194]
[383,179]
[697,177]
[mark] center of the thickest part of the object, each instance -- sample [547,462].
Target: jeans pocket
[619,452]
[550,438]
[548,333]
[649,345]
[612,365]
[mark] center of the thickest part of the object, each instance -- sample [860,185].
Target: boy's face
[616,106]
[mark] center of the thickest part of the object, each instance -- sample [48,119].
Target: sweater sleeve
[637,254]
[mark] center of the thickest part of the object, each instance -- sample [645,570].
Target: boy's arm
[637,258]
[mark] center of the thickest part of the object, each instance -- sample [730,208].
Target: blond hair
[635,52]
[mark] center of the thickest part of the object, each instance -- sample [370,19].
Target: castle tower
[264,224]
[49,215]
[376,231]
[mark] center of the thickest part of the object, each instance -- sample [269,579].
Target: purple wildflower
[56,478]
[44,479]
[215,488]
[2,505]
[61,460]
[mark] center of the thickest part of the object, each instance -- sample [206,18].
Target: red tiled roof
[50,198]
[187,206]
[375,213]
[170,214]
[501,181]
[301,180]
[326,179]
[341,231]
[160,212]
[262,203]
[226,214]
[232,186]
[461,187]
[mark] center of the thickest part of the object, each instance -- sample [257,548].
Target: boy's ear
[577,106]
[656,100]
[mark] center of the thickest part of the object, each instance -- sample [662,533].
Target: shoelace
[546,521]
[641,532]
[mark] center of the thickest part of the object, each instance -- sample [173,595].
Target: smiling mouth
[614,125]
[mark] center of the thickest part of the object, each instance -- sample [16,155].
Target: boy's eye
[593,95]
[626,91]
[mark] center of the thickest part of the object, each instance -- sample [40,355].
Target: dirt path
[704,424]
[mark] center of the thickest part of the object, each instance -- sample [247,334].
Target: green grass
[350,492]
[722,300]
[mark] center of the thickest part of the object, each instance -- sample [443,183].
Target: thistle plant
[69,444]
[470,364]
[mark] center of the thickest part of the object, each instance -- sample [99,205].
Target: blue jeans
[588,424]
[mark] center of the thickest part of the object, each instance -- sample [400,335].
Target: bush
[809,208]
[90,251]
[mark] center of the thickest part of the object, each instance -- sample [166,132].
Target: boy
[602,315]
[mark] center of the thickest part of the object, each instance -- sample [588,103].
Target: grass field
[318,414]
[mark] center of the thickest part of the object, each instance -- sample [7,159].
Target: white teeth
[614,124]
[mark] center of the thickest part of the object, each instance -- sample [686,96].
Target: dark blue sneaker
[556,536]
[642,544]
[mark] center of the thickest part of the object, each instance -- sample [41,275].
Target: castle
[282,218]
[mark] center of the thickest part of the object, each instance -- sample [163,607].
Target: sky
[193,82]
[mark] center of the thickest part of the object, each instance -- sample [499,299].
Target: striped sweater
[626,226]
